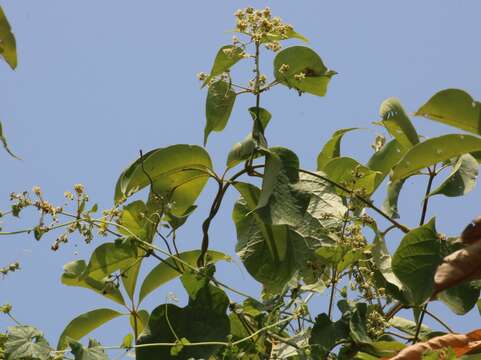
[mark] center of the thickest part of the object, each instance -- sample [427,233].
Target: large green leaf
[3,140]
[453,107]
[301,59]
[218,107]
[462,178]
[26,343]
[395,120]
[74,275]
[332,148]
[179,173]
[8,49]
[85,324]
[326,334]
[226,57]
[165,271]
[433,151]
[419,254]
[385,159]
[352,175]
[138,220]
[94,351]
[203,319]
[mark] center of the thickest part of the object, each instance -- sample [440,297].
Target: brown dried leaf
[460,343]
[464,264]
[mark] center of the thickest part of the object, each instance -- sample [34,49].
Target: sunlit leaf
[384,160]
[178,172]
[85,324]
[8,48]
[453,107]
[332,148]
[218,107]
[165,271]
[390,204]
[462,178]
[418,253]
[26,343]
[226,57]
[410,328]
[395,120]
[435,150]
[94,351]
[301,59]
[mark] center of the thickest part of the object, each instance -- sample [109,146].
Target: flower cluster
[376,324]
[262,27]
[10,268]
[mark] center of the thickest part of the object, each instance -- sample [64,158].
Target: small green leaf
[462,178]
[74,275]
[325,334]
[290,34]
[218,107]
[264,116]
[178,172]
[352,175]
[332,148]
[433,151]
[418,253]
[175,221]
[242,151]
[397,123]
[136,218]
[139,323]
[203,319]
[26,343]
[385,159]
[461,298]
[226,57]
[358,324]
[127,341]
[8,49]
[383,261]
[390,204]
[453,107]
[84,324]
[409,327]
[94,351]
[164,273]
[3,139]
[302,60]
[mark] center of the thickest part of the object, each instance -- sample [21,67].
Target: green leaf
[203,319]
[290,34]
[136,218]
[140,321]
[397,123]
[175,221]
[390,204]
[461,298]
[358,323]
[74,275]
[164,273]
[26,343]
[384,348]
[332,148]
[226,57]
[433,151]
[418,253]
[264,116]
[218,107]
[326,334]
[301,59]
[352,175]
[8,48]
[383,261]
[85,324]
[178,172]
[462,178]
[127,341]
[384,160]
[409,327]
[453,107]
[3,139]
[94,351]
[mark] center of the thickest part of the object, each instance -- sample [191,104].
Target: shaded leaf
[8,49]
[460,343]
[226,57]
[332,148]
[433,151]
[397,123]
[301,59]
[94,351]
[326,334]
[26,343]
[85,324]
[453,107]
[409,327]
[203,319]
[462,178]
[178,172]
[218,107]
[163,273]
[390,204]
[418,253]
[383,261]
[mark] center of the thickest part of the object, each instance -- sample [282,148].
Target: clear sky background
[99,80]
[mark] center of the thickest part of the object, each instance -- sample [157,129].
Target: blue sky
[99,80]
